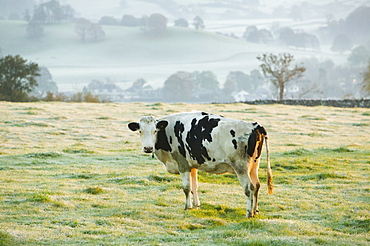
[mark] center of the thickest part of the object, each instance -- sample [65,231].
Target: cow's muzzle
[148,149]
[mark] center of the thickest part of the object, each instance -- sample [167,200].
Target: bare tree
[279,70]
[88,31]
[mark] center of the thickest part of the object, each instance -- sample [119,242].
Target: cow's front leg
[194,187]
[186,186]
[248,188]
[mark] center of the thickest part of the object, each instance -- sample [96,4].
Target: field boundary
[346,103]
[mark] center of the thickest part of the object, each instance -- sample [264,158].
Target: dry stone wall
[347,103]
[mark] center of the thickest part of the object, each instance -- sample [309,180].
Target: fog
[122,54]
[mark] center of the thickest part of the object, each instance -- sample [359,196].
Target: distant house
[259,94]
[141,91]
[241,96]
[108,91]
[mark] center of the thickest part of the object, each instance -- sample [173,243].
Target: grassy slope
[73,174]
[127,54]
[122,45]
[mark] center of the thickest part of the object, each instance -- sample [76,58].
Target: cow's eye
[155,131]
[140,132]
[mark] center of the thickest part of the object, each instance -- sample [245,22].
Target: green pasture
[73,174]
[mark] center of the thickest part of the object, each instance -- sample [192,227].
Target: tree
[181,22]
[9,8]
[236,81]
[252,34]
[359,55]
[286,35]
[279,70]
[206,86]
[265,36]
[108,20]
[357,24]
[17,78]
[206,80]
[129,20]
[156,24]
[198,23]
[51,12]
[366,80]
[179,87]
[82,27]
[341,43]
[88,31]
[298,39]
[45,84]
[304,40]
[96,32]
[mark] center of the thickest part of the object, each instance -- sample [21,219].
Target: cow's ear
[134,126]
[162,124]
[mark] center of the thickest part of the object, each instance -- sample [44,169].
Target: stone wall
[347,103]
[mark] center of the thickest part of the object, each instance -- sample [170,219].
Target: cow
[192,141]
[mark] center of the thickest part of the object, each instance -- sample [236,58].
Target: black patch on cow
[232,132]
[179,129]
[199,132]
[252,142]
[162,124]
[257,134]
[247,192]
[213,159]
[162,141]
[204,113]
[134,126]
[262,130]
[170,139]
[235,144]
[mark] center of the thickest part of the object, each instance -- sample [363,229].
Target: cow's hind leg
[255,198]
[253,174]
[186,186]
[194,187]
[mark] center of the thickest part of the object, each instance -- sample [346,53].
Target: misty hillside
[121,46]
[126,53]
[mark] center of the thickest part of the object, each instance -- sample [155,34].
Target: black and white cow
[186,142]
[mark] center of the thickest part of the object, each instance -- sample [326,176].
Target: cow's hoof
[249,215]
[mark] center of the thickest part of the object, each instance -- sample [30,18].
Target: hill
[127,53]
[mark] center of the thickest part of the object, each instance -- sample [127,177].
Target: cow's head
[148,128]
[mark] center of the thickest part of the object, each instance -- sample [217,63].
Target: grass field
[73,174]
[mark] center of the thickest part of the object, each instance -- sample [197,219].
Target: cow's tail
[270,186]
